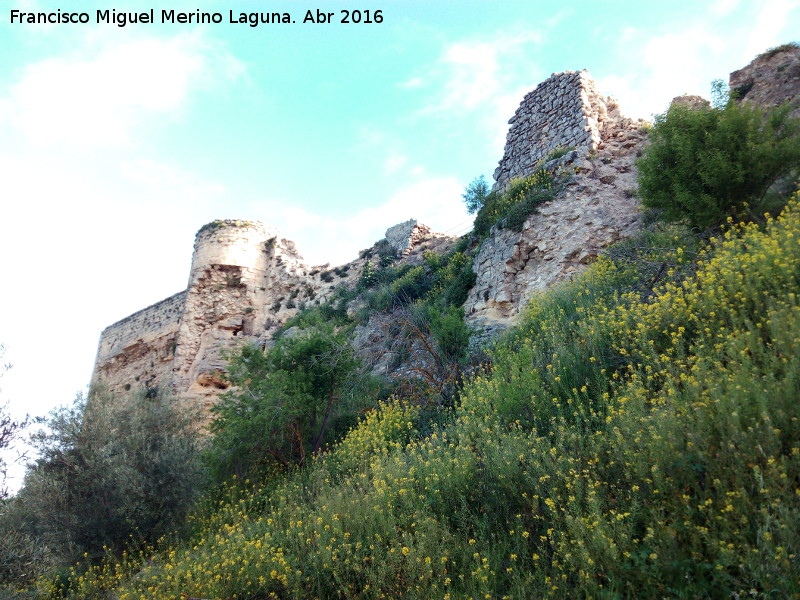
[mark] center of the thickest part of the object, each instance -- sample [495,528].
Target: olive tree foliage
[111,473]
[288,402]
[20,555]
[704,165]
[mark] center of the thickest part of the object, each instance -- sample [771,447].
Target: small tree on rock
[475,194]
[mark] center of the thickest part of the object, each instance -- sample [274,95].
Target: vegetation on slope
[638,435]
[707,164]
[668,465]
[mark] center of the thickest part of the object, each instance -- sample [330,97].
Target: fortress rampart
[245,281]
[564,111]
[149,322]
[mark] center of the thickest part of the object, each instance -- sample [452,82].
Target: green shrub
[289,401]
[558,152]
[112,472]
[778,49]
[369,276]
[520,197]
[413,284]
[705,165]
[450,332]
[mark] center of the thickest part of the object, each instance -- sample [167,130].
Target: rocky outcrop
[690,101]
[771,79]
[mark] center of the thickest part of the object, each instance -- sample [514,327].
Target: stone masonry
[564,111]
[245,282]
[597,208]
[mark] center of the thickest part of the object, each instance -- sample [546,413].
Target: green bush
[112,472]
[413,284]
[289,401]
[369,276]
[450,332]
[705,165]
[519,199]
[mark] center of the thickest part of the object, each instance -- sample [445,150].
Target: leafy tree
[704,165]
[10,430]
[475,194]
[287,402]
[112,471]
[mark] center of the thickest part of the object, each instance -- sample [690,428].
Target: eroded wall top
[153,320]
[564,111]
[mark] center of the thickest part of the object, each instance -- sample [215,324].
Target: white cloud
[475,73]
[412,83]
[769,26]
[394,163]
[658,68]
[101,100]
[482,82]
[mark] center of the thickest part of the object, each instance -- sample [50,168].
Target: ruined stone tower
[564,111]
[229,266]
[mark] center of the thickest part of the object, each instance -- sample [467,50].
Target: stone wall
[139,349]
[597,208]
[564,111]
[245,282]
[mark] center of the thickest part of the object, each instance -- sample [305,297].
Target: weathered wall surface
[771,79]
[245,282]
[564,111]
[228,266]
[596,209]
[139,349]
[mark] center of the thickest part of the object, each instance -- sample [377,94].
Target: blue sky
[117,144]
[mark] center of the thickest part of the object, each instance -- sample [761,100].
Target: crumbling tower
[224,292]
[564,111]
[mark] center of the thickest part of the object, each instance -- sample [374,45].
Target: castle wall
[596,209]
[138,350]
[564,111]
[223,304]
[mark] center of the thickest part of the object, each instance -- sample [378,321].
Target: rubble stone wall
[564,111]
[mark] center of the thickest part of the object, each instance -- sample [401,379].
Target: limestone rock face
[596,209]
[771,79]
